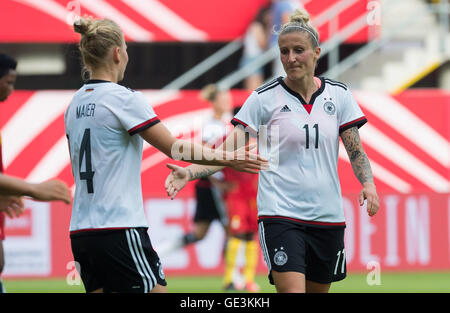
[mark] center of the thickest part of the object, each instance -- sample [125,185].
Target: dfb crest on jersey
[329,107]
[280,258]
[160,271]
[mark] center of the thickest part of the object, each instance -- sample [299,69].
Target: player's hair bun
[300,21]
[83,26]
[299,16]
[98,36]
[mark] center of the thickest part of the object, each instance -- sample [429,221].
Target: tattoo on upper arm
[358,158]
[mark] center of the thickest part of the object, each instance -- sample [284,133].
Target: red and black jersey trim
[237,122]
[94,231]
[358,123]
[138,128]
[277,218]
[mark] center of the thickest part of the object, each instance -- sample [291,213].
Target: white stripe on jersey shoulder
[273,83]
[335,83]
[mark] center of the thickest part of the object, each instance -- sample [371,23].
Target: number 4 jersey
[301,142]
[102,125]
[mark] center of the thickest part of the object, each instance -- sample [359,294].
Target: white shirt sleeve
[136,114]
[250,114]
[350,114]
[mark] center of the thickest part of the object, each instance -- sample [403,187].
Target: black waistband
[285,219]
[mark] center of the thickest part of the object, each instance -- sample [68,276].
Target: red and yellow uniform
[240,200]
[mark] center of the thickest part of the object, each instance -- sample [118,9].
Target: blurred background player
[208,190]
[240,198]
[255,42]
[12,189]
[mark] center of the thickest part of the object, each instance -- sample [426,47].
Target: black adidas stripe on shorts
[119,260]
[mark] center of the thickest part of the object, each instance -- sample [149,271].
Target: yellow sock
[230,259]
[251,260]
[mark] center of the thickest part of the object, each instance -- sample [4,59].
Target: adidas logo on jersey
[285,109]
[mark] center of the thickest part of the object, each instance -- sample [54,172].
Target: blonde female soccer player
[105,125]
[300,210]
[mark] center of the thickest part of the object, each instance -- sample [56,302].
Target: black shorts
[314,251]
[121,260]
[210,205]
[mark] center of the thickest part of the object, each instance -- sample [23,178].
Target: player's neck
[104,75]
[305,86]
[217,116]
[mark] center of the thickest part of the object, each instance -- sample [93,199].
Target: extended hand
[369,193]
[11,205]
[51,190]
[244,160]
[176,180]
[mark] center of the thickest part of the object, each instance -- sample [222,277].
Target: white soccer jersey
[302,147]
[102,125]
[213,131]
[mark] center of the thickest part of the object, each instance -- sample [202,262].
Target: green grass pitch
[417,282]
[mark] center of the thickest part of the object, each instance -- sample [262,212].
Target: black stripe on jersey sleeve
[335,83]
[268,86]
[358,123]
[237,122]
[144,125]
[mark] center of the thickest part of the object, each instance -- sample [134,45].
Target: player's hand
[52,190]
[176,180]
[369,193]
[245,159]
[12,206]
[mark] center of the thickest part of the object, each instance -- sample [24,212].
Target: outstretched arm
[361,168]
[12,189]
[180,176]
[45,191]
[242,159]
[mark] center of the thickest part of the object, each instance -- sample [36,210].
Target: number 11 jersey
[301,142]
[102,124]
